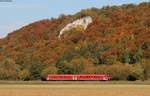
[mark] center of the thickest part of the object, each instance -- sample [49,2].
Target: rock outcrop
[84,22]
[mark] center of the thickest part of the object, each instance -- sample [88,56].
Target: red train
[79,77]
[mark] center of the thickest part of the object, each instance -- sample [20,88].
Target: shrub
[119,71]
[48,70]
[136,72]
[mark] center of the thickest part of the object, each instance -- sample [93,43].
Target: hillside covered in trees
[117,42]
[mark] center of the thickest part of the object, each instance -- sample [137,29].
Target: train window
[66,76]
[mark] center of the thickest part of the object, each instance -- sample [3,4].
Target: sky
[18,13]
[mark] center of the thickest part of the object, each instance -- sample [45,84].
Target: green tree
[137,72]
[36,68]
[8,70]
[24,75]
[48,70]
[119,71]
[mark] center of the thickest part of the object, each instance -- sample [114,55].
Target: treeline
[117,43]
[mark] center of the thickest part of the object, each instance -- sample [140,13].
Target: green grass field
[73,89]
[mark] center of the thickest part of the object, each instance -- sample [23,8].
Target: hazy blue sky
[18,13]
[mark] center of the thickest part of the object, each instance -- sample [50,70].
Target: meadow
[74,89]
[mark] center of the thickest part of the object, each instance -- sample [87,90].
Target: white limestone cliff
[84,22]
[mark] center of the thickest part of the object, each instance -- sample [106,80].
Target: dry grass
[74,90]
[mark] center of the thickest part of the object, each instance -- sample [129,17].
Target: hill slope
[117,42]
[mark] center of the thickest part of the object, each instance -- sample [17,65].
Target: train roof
[78,75]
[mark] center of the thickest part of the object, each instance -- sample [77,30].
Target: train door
[75,78]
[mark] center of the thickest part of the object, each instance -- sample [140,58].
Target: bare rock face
[84,22]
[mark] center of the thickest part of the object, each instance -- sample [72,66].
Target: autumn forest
[117,43]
